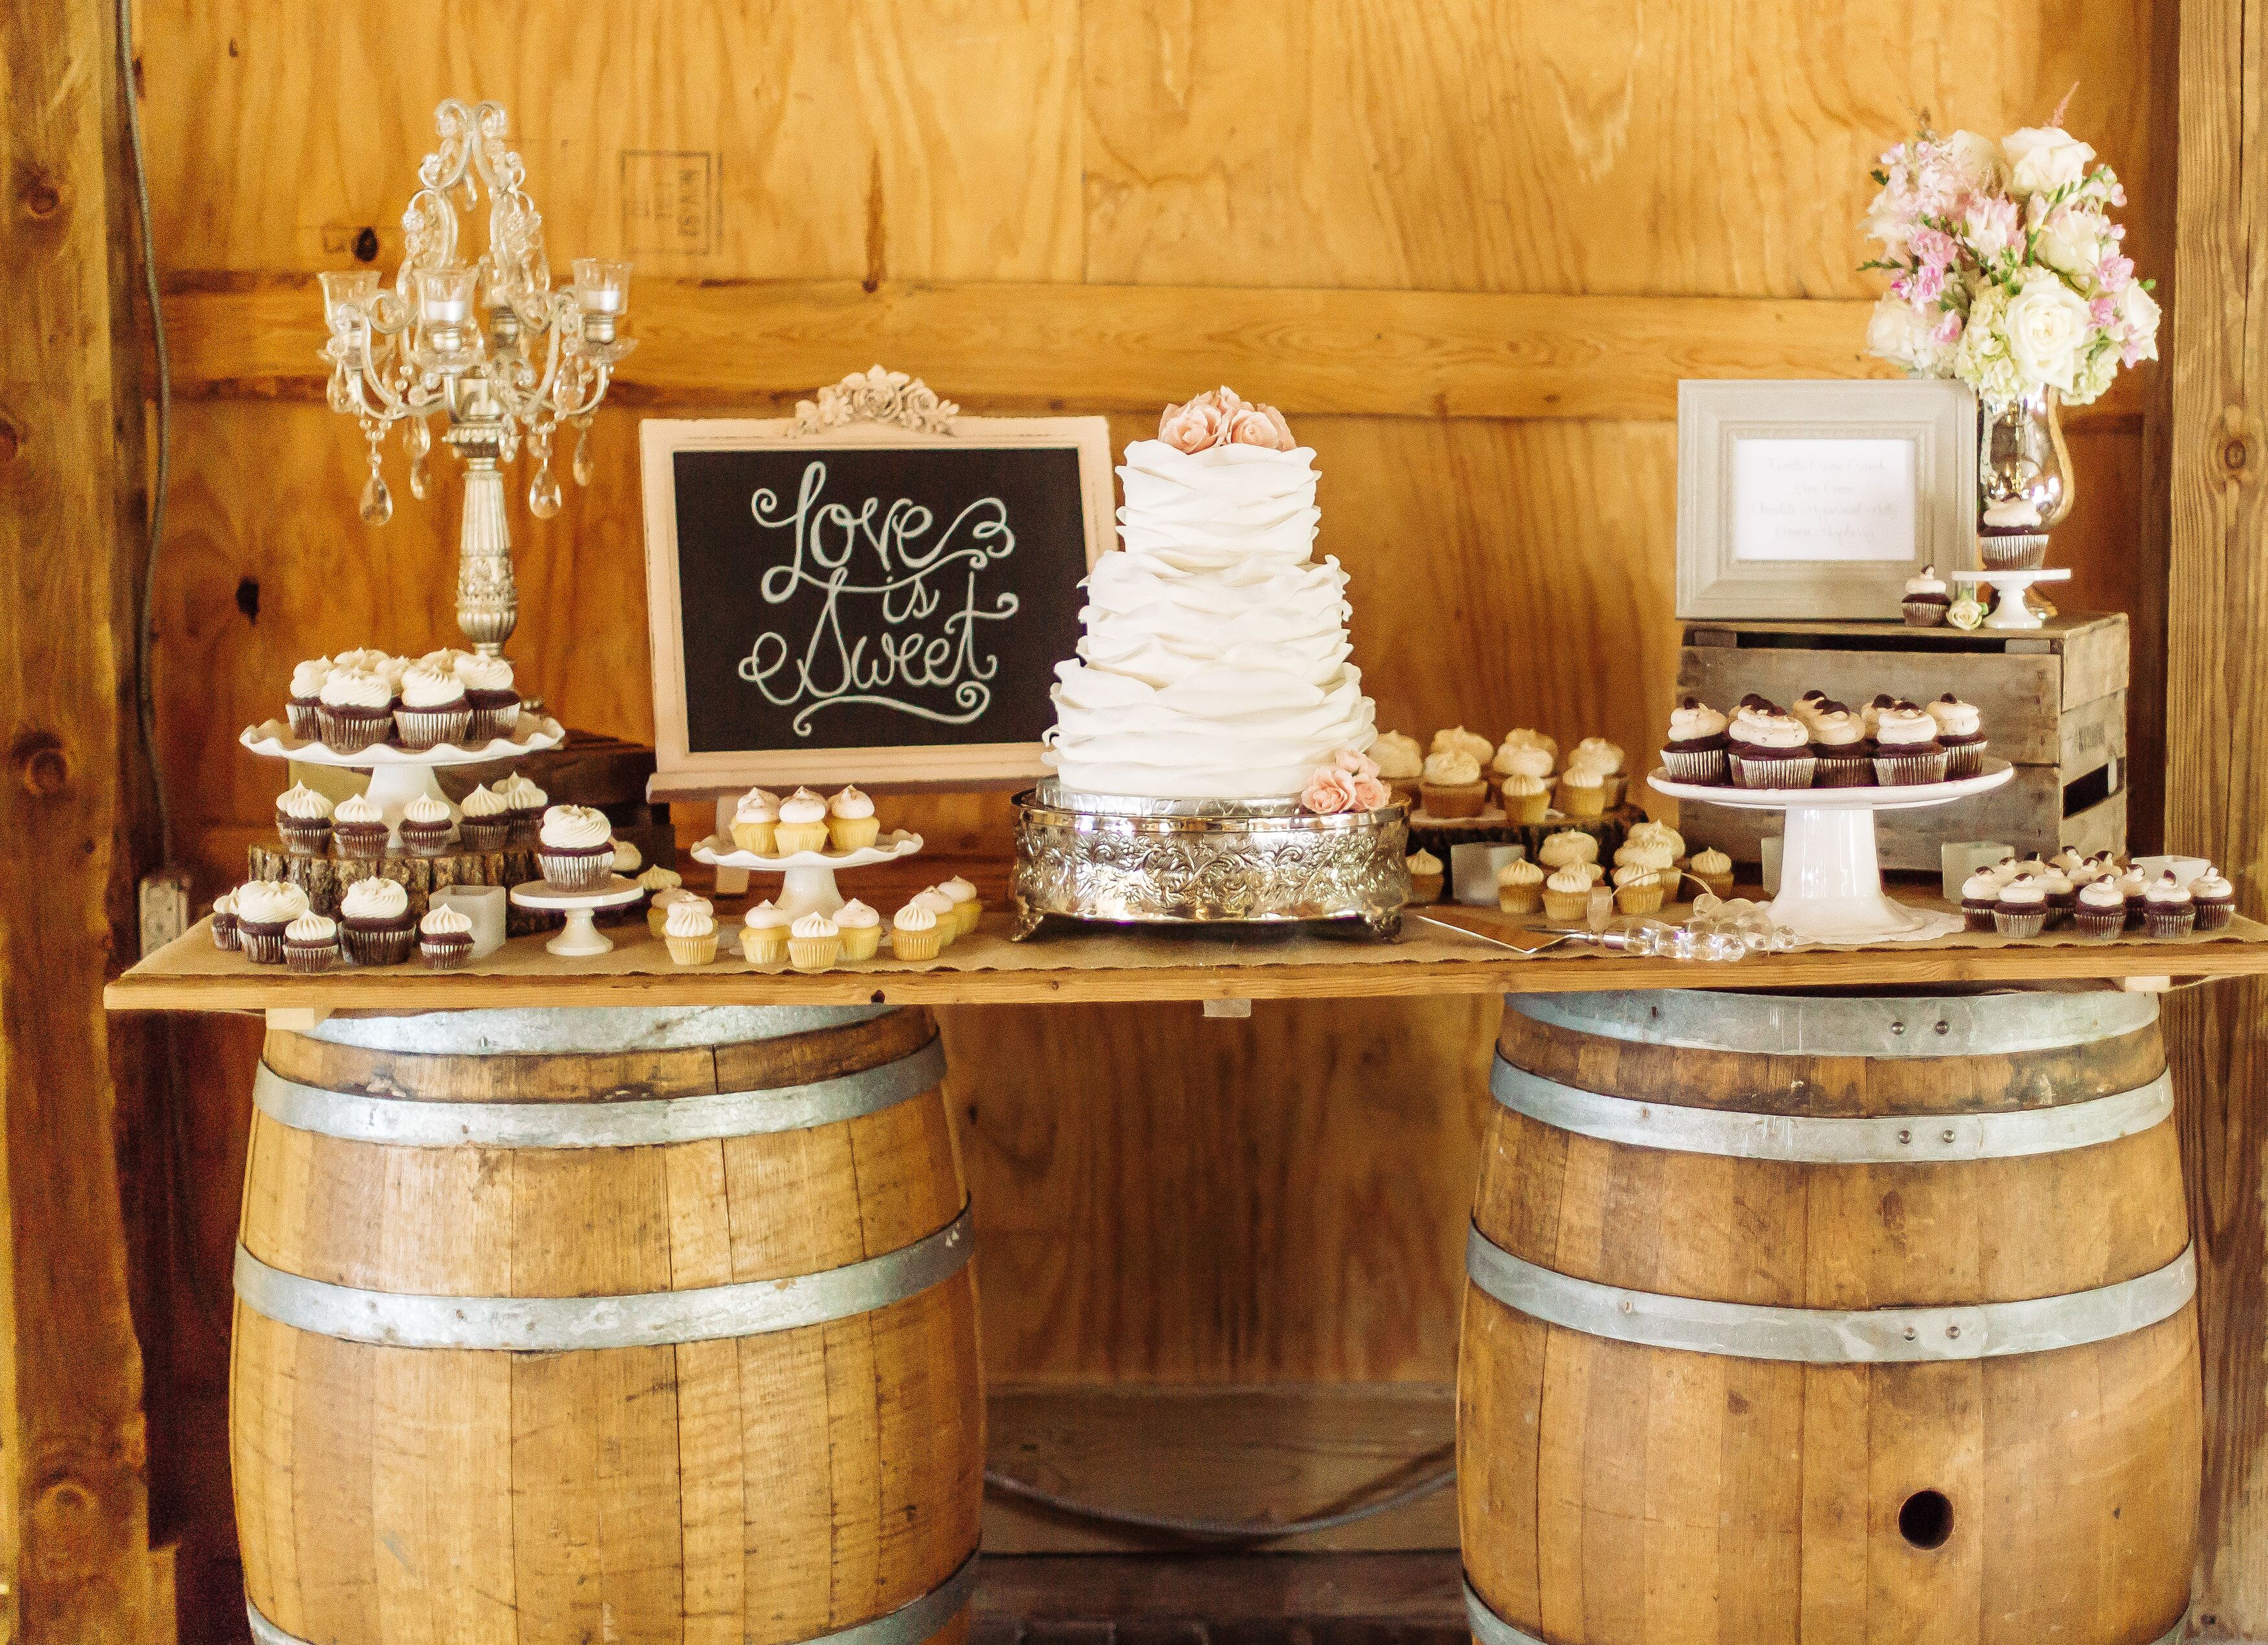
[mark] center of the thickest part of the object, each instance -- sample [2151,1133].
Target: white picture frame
[1815,501]
[682,773]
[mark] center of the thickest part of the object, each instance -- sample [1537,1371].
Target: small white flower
[2044,158]
[1900,334]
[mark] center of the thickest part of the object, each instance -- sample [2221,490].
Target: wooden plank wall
[2217,772]
[1469,247]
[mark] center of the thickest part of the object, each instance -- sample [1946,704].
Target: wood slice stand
[326,879]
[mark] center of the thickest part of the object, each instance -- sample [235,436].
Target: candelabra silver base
[1119,860]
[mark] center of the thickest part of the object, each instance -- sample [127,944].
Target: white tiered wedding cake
[1215,662]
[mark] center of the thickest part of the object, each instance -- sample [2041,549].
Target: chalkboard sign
[865,603]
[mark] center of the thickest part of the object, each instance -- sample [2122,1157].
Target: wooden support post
[74,1527]
[2217,756]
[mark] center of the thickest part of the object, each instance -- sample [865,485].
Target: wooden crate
[2054,702]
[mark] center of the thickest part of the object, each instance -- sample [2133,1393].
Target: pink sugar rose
[1370,794]
[1355,765]
[1197,424]
[1330,790]
[1260,425]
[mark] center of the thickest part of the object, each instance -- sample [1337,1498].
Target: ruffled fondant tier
[1215,662]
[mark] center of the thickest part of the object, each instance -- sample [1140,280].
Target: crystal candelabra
[488,342]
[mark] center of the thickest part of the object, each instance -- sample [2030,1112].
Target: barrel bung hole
[1926,1519]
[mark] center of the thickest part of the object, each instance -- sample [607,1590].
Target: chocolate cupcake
[576,847]
[1906,749]
[1961,733]
[1927,600]
[1768,749]
[359,829]
[2063,897]
[426,825]
[2101,910]
[265,909]
[1980,897]
[311,944]
[2168,909]
[1699,738]
[2135,890]
[302,709]
[484,821]
[2022,909]
[302,821]
[375,916]
[528,804]
[356,710]
[1840,744]
[2214,899]
[444,937]
[491,695]
[223,922]
[432,710]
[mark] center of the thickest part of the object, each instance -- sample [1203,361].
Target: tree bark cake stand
[1830,885]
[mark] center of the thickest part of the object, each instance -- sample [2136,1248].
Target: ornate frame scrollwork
[874,395]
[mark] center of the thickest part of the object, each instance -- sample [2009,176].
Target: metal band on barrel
[552,1324]
[357,1117]
[1779,1024]
[1492,1629]
[1827,1336]
[909,1625]
[1801,1139]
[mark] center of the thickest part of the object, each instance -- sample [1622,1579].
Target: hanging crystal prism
[584,467]
[543,495]
[377,501]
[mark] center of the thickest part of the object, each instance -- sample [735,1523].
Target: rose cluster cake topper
[1218,418]
[1347,782]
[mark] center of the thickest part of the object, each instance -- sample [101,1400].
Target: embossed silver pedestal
[1126,861]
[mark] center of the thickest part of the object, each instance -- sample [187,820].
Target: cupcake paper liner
[2100,921]
[347,734]
[1844,771]
[360,842]
[1579,802]
[444,956]
[1979,919]
[2211,916]
[1963,760]
[1639,897]
[387,947]
[1463,799]
[419,844]
[814,953]
[790,838]
[1901,771]
[1426,888]
[1526,809]
[754,836]
[302,837]
[1791,771]
[2028,923]
[483,834]
[2161,922]
[262,948]
[2025,552]
[861,942]
[1692,765]
[429,728]
[1925,614]
[914,945]
[764,945]
[304,719]
[1567,907]
[1519,898]
[692,950]
[224,937]
[853,834]
[311,961]
[485,725]
[572,871]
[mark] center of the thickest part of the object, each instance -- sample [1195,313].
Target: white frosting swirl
[914,916]
[485,802]
[1452,768]
[957,888]
[2097,893]
[224,906]
[2026,892]
[302,804]
[312,927]
[356,689]
[307,679]
[375,898]
[1522,760]
[425,809]
[1398,757]
[757,806]
[1956,718]
[1598,753]
[357,808]
[803,806]
[1904,728]
[850,804]
[764,917]
[936,901]
[1457,739]
[628,858]
[524,795]
[424,687]
[1423,862]
[476,672]
[269,902]
[1694,721]
[659,878]
[689,916]
[1214,664]
[813,924]
[855,916]
[441,919]
[1927,583]
[575,828]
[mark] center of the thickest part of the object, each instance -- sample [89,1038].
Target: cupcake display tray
[807,883]
[398,775]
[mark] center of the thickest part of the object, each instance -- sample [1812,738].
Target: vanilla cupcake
[575,847]
[814,942]
[1426,875]
[1522,736]
[426,825]
[1961,733]
[861,928]
[375,916]
[1582,791]
[491,697]
[311,944]
[303,821]
[652,885]
[224,923]
[948,921]
[1458,740]
[966,908]
[1906,749]
[432,710]
[1567,895]
[358,829]
[303,709]
[2168,908]
[2101,910]
[1526,800]
[484,821]
[2214,896]
[444,937]
[1522,760]
[763,934]
[2022,909]
[1452,786]
[914,932]
[1639,887]
[851,824]
[264,910]
[690,932]
[1569,845]
[1695,751]
[1519,887]
[1714,869]
[1596,754]
[755,820]
[802,824]
[1400,764]
[355,708]
[1659,833]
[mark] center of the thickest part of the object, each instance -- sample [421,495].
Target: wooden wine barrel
[1832,1320]
[620,1326]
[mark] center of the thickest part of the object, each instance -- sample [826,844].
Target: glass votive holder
[444,295]
[348,295]
[484,906]
[602,286]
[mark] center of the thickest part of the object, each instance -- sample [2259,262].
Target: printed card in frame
[1816,501]
[863,603]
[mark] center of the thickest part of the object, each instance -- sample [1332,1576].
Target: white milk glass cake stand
[581,937]
[808,883]
[1831,883]
[2013,611]
[398,775]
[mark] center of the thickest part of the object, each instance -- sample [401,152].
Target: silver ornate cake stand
[1125,861]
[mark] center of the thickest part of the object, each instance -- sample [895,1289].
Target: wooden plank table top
[1075,963]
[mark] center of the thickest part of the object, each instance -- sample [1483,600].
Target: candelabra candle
[483,343]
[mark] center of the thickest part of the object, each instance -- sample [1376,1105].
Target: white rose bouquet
[2005,267]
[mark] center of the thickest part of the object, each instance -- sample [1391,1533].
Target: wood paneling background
[1469,246]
